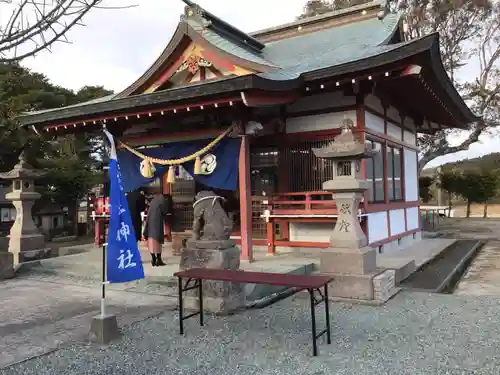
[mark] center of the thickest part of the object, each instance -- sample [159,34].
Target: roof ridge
[333,14]
[217,23]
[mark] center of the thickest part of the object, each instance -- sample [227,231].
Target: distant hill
[490,161]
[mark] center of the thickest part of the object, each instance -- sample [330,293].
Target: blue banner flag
[123,259]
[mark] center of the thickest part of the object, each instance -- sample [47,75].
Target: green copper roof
[106,98]
[310,51]
[227,45]
[330,47]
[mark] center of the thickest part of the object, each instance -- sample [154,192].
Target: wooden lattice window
[304,170]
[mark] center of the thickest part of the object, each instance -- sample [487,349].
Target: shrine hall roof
[281,64]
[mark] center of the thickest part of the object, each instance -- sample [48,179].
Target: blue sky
[117,46]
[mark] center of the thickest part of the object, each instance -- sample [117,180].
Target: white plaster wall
[318,122]
[412,217]
[393,114]
[374,122]
[410,124]
[377,226]
[394,131]
[410,138]
[311,232]
[401,244]
[374,103]
[320,101]
[397,218]
[411,175]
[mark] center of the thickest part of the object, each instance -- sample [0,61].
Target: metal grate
[305,171]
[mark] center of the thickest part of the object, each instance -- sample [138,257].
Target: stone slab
[256,292]
[352,286]
[403,267]
[348,261]
[104,329]
[31,255]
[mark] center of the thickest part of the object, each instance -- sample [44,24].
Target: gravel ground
[415,333]
[141,286]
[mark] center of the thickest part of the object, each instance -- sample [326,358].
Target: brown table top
[270,278]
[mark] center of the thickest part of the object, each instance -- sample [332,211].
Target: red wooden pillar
[245,200]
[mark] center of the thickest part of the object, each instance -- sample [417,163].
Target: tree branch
[35,25]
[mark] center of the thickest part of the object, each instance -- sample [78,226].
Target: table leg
[327,315]
[313,321]
[181,308]
[200,300]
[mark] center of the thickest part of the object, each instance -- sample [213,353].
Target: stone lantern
[25,240]
[349,257]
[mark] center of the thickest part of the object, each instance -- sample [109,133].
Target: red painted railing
[305,203]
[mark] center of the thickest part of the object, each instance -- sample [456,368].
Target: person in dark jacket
[161,210]
[136,200]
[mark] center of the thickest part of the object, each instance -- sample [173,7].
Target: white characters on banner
[123,232]
[125,260]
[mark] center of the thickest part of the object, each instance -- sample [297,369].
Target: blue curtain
[225,175]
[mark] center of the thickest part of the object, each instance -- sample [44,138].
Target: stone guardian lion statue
[211,221]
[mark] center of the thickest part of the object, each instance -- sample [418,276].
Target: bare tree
[470,35]
[30,26]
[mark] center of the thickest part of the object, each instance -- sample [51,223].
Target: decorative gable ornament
[193,64]
[195,12]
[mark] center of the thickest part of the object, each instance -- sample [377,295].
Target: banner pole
[103,257]
[103,292]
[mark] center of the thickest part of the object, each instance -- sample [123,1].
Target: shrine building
[240,113]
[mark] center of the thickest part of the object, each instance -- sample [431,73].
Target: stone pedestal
[6,265]
[103,329]
[28,247]
[348,261]
[218,296]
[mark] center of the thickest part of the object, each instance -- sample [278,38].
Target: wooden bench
[316,286]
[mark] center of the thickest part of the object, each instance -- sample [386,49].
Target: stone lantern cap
[345,147]
[22,171]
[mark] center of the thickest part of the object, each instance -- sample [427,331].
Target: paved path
[39,315]
[414,334]
[483,275]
